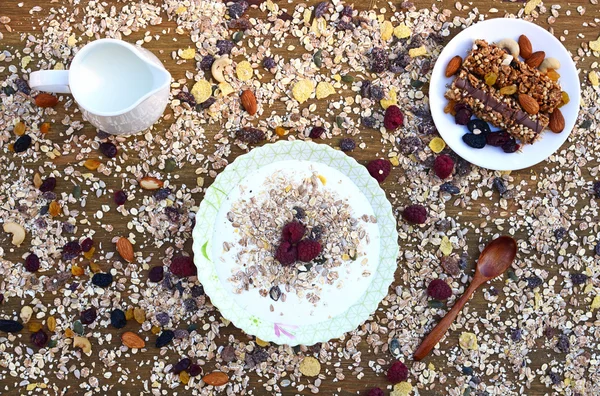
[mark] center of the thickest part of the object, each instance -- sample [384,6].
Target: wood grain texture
[24,23]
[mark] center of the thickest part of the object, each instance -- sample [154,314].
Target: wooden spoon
[493,261]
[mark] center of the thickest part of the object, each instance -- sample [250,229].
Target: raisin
[71,250]
[87,244]
[88,316]
[206,63]
[102,280]
[450,188]
[321,9]
[117,318]
[32,263]
[39,338]
[23,86]
[156,274]
[165,338]
[475,141]
[120,197]
[478,126]
[22,144]
[224,47]
[108,149]
[508,90]
[182,365]
[499,185]
[194,370]
[10,326]
[490,78]
[269,63]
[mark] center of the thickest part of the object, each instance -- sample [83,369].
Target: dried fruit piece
[54,209]
[184,377]
[437,145]
[490,78]
[77,270]
[139,315]
[281,131]
[508,90]
[10,326]
[557,121]
[244,71]
[22,144]
[91,164]
[216,378]
[34,326]
[564,99]
[449,109]
[249,102]
[125,249]
[151,183]
[132,340]
[108,149]
[525,47]
[302,90]
[46,100]
[19,129]
[529,104]
[453,66]
[250,135]
[45,128]
[51,323]
[536,59]
[37,180]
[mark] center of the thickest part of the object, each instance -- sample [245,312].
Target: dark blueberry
[156,274]
[450,188]
[394,346]
[499,185]
[467,370]
[347,144]
[316,132]
[534,281]
[316,233]
[549,332]
[563,343]
[181,365]
[475,141]
[186,97]
[206,62]
[511,146]
[275,293]
[400,63]
[22,143]
[578,278]
[237,9]
[8,91]
[365,89]
[298,212]
[596,188]
[516,335]
[68,227]
[10,326]
[87,244]
[39,338]
[259,356]
[167,281]
[269,63]
[100,134]
[102,280]
[377,92]
[163,318]
[190,304]
[379,60]
[164,338]
[197,290]
[462,166]
[409,145]
[347,11]
[369,121]
[162,193]
[32,263]
[117,318]
[88,316]
[120,197]
[172,213]
[206,104]
[71,250]
[23,86]
[498,139]
[597,249]
[479,125]
[321,9]
[345,24]
[560,233]
[49,184]
[194,370]
[462,117]
[108,149]
[180,334]
[224,47]
[554,378]
[49,195]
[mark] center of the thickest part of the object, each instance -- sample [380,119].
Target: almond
[525,48]
[453,66]
[151,183]
[529,104]
[536,59]
[125,249]
[216,378]
[132,340]
[249,102]
[46,100]
[557,121]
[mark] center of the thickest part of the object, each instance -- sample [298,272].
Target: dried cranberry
[87,244]
[108,149]
[498,139]
[120,197]
[71,250]
[156,274]
[462,117]
[39,338]
[48,185]
[317,132]
[194,370]
[88,316]
[511,146]
[182,365]
[32,263]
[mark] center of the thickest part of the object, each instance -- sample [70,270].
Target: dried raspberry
[443,166]
[317,132]
[308,250]
[376,392]
[379,169]
[439,290]
[292,232]
[183,266]
[415,214]
[286,253]
[393,119]
[397,373]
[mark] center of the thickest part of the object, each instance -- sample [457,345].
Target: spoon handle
[438,331]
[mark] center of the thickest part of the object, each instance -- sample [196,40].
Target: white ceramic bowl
[489,157]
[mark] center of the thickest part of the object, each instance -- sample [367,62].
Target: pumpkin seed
[318,58]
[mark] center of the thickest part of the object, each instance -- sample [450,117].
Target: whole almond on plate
[453,66]
[125,249]
[529,104]
[536,59]
[46,100]
[132,340]
[216,378]
[525,48]
[249,102]
[557,121]
[151,183]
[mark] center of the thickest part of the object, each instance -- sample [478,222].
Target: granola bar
[488,58]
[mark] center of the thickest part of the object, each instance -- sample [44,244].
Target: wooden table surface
[24,23]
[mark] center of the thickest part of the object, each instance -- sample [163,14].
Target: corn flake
[391,100]
[201,91]
[593,76]
[530,6]
[225,88]
[595,45]
[402,31]
[595,302]
[324,89]
[310,366]
[446,246]
[402,389]
[244,71]
[437,145]
[189,53]
[468,341]
[302,90]
[386,30]
[414,52]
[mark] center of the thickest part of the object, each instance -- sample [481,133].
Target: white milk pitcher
[120,88]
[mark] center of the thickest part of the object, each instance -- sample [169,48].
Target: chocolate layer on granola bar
[488,58]
[500,110]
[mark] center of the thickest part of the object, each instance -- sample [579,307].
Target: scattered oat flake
[420,51]
[324,89]
[244,71]
[387,30]
[201,91]
[530,6]
[302,90]
[468,341]
[188,53]
[402,31]
[310,366]
[437,145]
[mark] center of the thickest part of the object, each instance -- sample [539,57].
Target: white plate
[489,157]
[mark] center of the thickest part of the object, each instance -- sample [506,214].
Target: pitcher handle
[50,81]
